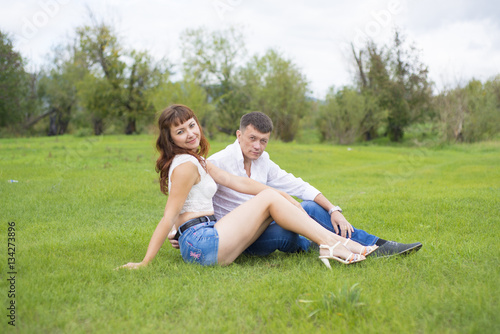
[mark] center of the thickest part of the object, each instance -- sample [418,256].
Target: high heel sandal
[350,259]
[367,250]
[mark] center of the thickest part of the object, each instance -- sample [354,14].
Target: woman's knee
[268,194]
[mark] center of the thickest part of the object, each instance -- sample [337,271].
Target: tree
[211,59]
[129,77]
[94,94]
[374,84]
[143,77]
[411,89]
[399,80]
[186,92]
[100,89]
[346,115]
[471,113]
[275,86]
[59,86]
[13,83]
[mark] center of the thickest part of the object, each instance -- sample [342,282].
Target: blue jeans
[200,244]
[277,238]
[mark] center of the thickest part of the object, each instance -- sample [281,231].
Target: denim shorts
[200,244]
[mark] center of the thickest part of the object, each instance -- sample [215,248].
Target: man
[247,157]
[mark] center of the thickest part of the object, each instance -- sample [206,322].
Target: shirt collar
[237,151]
[239,155]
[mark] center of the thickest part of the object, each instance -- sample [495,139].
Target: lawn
[84,206]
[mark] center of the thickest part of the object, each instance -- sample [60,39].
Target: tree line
[95,85]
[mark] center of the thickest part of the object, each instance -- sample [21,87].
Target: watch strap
[335,208]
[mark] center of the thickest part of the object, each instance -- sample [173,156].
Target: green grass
[84,206]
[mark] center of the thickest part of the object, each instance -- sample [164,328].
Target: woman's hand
[132,265]
[171,236]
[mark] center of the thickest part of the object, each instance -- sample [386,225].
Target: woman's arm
[183,178]
[242,184]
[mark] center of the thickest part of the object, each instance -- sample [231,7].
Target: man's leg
[386,248]
[316,212]
[277,238]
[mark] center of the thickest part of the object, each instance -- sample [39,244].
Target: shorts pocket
[191,253]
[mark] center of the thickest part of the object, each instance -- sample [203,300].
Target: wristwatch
[335,208]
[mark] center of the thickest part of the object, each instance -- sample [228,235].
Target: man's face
[252,142]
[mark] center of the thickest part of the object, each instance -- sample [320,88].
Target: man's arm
[295,186]
[338,219]
[280,179]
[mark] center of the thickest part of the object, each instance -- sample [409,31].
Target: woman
[190,181]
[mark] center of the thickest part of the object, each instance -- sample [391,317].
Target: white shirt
[262,170]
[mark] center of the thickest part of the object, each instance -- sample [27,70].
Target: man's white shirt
[262,170]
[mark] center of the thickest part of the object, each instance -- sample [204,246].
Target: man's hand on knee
[341,226]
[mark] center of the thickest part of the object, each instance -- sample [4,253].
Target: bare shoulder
[185,171]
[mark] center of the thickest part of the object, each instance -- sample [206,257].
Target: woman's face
[186,135]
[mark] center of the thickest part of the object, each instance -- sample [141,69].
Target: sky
[459,40]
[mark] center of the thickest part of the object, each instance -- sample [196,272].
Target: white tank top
[199,198]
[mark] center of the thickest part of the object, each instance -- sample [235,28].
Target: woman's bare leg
[241,227]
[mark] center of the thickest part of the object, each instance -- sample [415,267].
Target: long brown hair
[175,115]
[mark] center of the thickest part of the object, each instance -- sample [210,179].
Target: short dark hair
[260,121]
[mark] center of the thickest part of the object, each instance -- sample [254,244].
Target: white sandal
[350,259]
[367,249]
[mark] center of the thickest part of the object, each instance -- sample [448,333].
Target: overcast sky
[459,39]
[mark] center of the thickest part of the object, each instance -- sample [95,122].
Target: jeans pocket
[191,253]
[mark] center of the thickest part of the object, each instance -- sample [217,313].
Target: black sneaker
[391,248]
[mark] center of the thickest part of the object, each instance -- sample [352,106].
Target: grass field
[83,206]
